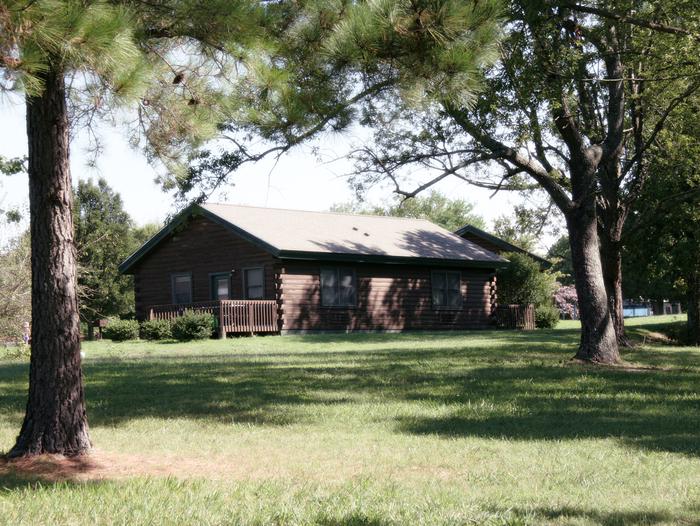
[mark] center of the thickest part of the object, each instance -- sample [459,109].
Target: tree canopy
[105,235]
[569,108]
[451,214]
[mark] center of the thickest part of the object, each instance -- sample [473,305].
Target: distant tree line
[105,235]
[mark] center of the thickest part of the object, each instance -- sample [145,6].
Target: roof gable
[501,243]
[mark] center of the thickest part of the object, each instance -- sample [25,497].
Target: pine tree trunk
[55,419]
[598,340]
[694,308]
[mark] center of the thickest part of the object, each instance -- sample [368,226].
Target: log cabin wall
[200,247]
[389,298]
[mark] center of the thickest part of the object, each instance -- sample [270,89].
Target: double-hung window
[182,288]
[221,286]
[338,287]
[447,293]
[254,281]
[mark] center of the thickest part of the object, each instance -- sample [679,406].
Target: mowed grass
[440,428]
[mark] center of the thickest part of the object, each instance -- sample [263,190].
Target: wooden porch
[234,316]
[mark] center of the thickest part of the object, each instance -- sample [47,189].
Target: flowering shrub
[566,300]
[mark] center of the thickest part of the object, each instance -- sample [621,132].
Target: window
[254,283]
[447,292]
[220,286]
[338,287]
[182,288]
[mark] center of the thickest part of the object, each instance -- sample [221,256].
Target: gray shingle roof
[333,233]
[296,234]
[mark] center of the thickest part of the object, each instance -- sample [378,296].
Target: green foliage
[97,36]
[434,48]
[156,330]
[193,326]
[662,255]
[104,237]
[12,166]
[451,214]
[121,330]
[15,288]
[165,60]
[562,265]
[522,282]
[525,226]
[546,316]
[321,66]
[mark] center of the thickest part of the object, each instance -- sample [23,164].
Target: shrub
[156,330]
[121,330]
[193,326]
[546,316]
[523,282]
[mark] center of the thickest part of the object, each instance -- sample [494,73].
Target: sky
[300,180]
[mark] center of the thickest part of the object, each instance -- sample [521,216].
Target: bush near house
[193,326]
[523,282]
[546,316]
[121,330]
[156,330]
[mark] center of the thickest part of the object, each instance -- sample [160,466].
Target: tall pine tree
[115,53]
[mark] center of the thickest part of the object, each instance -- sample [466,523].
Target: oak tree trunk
[598,340]
[55,419]
[694,308]
[611,258]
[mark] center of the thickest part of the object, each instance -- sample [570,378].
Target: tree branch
[606,13]
[660,124]
[533,168]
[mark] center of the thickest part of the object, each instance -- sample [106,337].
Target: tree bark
[598,340]
[611,258]
[55,419]
[693,308]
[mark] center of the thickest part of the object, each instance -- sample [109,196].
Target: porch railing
[234,316]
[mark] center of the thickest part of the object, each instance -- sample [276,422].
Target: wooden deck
[234,316]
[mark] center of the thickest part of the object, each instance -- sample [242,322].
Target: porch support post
[222,327]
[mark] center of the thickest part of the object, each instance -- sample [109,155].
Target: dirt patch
[101,465]
[50,467]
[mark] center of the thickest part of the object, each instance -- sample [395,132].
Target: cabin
[264,270]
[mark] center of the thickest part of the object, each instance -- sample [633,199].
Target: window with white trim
[221,286]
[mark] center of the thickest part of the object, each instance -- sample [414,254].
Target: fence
[515,317]
[234,316]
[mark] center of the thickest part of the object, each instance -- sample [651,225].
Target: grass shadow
[494,384]
[560,515]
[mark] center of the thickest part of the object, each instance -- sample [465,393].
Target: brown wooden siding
[202,248]
[389,297]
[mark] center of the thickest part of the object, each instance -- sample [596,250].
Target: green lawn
[441,428]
